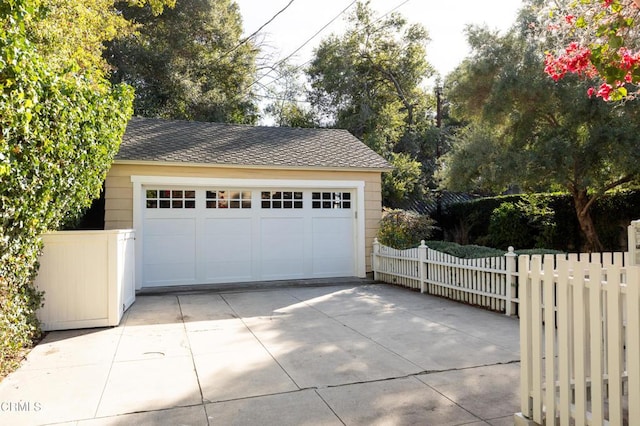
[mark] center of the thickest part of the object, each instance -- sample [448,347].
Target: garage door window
[331,200]
[281,200]
[170,199]
[225,199]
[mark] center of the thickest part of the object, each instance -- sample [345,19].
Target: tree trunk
[583,211]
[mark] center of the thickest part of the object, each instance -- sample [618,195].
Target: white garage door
[217,235]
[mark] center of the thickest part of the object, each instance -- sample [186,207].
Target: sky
[444,20]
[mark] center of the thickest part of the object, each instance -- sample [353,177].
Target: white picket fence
[580,360]
[486,282]
[579,342]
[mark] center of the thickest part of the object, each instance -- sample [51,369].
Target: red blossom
[576,59]
[604,91]
[628,59]
[599,19]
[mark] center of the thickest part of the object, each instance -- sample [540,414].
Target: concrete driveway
[348,354]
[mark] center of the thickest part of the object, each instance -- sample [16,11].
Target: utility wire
[253,34]
[317,32]
[280,62]
[312,37]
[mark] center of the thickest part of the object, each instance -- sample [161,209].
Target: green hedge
[464,251]
[403,229]
[474,251]
[59,136]
[517,223]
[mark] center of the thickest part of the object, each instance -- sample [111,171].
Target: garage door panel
[169,253]
[225,271]
[332,267]
[226,249]
[211,245]
[282,238]
[332,246]
[282,248]
[169,250]
[168,226]
[282,269]
[159,274]
[227,238]
[332,233]
[274,226]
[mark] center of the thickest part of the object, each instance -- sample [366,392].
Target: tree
[77,29]
[528,130]
[61,128]
[188,62]
[369,82]
[597,39]
[286,98]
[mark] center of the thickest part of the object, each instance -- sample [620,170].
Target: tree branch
[616,183]
[396,84]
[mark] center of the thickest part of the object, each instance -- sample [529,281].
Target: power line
[253,34]
[279,98]
[312,37]
[280,62]
[317,32]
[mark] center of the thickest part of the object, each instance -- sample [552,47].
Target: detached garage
[219,203]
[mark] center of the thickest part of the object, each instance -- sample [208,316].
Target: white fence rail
[579,342]
[490,282]
[579,323]
[486,282]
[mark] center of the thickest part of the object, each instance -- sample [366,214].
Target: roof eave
[251,166]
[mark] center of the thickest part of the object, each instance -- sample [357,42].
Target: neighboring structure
[219,203]
[437,201]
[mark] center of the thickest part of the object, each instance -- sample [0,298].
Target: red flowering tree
[600,39]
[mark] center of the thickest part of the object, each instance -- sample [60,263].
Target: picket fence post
[634,244]
[422,264]
[511,279]
[375,261]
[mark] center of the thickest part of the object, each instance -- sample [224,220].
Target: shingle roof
[150,139]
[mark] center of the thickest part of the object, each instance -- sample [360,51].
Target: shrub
[464,251]
[508,226]
[59,136]
[550,221]
[467,222]
[528,222]
[403,229]
[474,251]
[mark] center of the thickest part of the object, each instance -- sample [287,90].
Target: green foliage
[538,251]
[60,133]
[368,81]
[404,229]
[542,220]
[290,114]
[285,108]
[188,62]
[526,223]
[77,29]
[527,130]
[608,30]
[464,251]
[508,227]
[468,223]
[403,181]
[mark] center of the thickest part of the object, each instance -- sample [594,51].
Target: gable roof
[191,142]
